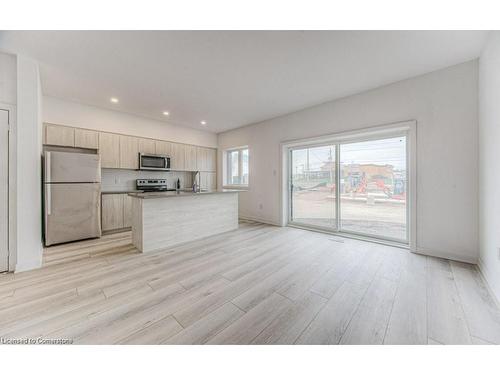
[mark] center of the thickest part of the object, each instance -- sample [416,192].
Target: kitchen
[124,165]
[162,201]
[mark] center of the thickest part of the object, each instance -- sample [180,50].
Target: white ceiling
[231,78]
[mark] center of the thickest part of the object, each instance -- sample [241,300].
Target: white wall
[489,158]
[65,112]
[29,143]
[7,78]
[444,104]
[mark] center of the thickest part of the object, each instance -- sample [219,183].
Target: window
[236,171]
[356,185]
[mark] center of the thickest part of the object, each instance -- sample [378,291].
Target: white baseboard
[259,220]
[446,255]
[485,274]
[28,266]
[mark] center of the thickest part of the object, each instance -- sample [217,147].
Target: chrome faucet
[196,185]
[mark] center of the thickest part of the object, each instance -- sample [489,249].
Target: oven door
[154,162]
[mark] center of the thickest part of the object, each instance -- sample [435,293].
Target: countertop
[121,191]
[173,194]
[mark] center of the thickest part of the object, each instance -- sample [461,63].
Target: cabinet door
[212,180]
[190,158]
[86,138]
[163,148]
[147,146]
[208,181]
[201,158]
[59,135]
[178,157]
[109,149]
[206,159]
[127,211]
[211,160]
[112,211]
[203,181]
[129,152]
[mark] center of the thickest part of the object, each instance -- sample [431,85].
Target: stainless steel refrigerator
[72,196]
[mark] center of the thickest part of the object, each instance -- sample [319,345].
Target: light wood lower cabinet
[112,211]
[208,180]
[116,211]
[127,211]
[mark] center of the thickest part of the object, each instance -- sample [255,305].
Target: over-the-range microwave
[152,162]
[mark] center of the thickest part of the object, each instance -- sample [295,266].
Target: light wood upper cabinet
[129,152]
[147,146]
[177,157]
[112,211]
[109,148]
[200,158]
[122,151]
[163,148]
[57,135]
[211,160]
[86,138]
[206,159]
[190,158]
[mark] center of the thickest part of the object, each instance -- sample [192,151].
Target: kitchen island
[163,219]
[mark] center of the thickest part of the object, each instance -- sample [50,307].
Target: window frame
[404,128]
[227,167]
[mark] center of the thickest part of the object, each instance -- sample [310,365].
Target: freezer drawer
[71,167]
[72,212]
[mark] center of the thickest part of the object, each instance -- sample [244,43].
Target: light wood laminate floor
[257,285]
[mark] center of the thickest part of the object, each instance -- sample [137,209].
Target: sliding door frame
[405,128]
[290,172]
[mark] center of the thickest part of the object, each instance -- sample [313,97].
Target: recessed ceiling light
[166,113]
[203,122]
[114,100]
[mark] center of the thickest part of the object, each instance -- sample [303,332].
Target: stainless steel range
[148,185]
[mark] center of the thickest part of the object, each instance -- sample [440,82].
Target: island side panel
[137,228]
[172,221]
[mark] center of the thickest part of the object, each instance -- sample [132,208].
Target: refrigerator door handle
[49,199]
[47,167]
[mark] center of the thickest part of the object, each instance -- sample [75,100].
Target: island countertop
[181,193]
[161,223]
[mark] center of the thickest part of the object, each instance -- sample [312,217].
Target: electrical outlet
[261,206]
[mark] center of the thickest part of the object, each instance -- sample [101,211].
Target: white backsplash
[123,180]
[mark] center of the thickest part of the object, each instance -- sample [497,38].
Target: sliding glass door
[313,193]
[373,188]
[357,187]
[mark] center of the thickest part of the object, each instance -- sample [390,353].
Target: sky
[385,151]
